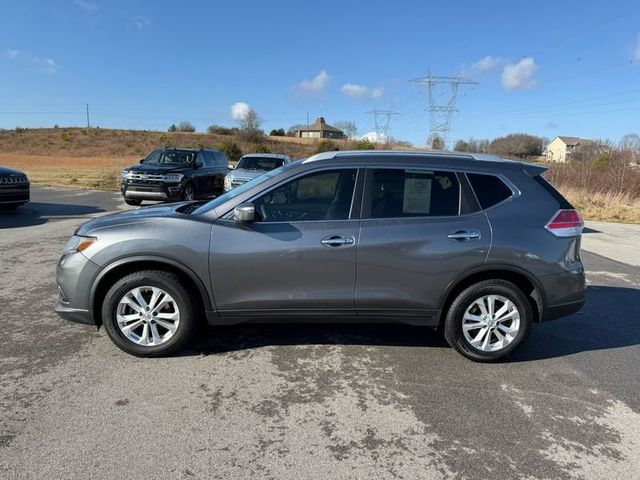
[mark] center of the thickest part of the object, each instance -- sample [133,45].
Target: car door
[417,234]
[298,257]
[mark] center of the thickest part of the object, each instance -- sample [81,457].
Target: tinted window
[260,163]
[562,202]
[172,157]
[414,193]
[205,159]
[317,196]
[489,189]
[221,160]
[153,157]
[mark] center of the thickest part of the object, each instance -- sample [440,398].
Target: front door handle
[464,235]
[337,241]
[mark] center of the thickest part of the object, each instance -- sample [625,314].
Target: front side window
[318,196]
[397,193]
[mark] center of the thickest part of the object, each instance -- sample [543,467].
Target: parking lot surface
[306,401]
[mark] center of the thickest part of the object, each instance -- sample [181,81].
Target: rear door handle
[464,235]
[337,241]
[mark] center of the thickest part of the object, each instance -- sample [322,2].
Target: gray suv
[477,245]
[251,166]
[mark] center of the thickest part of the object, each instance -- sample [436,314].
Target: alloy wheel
[491,323]
[147,316]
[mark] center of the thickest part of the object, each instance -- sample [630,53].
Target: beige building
[320,129]
[559,149]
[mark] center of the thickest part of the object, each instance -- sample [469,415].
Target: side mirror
[245,213]
[142,160]
[198,164]
[231,166]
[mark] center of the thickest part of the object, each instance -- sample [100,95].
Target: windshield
[259,163]
[172,157]
[239,190]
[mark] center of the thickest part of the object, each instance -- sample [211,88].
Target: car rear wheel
[132,201]
[148,314]
[488,321]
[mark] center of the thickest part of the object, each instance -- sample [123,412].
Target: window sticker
[417,195]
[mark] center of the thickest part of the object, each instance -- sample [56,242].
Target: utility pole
[88,123]
[382,123]
[443,93]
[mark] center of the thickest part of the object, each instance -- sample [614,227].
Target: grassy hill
[98,142]
[93,158]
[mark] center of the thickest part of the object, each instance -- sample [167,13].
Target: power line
[382,123]
[441,111]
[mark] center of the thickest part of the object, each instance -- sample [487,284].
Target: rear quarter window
[489,189]
[544,183]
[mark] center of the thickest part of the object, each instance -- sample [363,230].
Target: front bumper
[151,190]
[77,315]
[14,194]
[75,275]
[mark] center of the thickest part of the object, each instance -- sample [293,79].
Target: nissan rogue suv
[172,174]
[477,245]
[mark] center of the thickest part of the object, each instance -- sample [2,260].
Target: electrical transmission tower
[382,123]
[443,93]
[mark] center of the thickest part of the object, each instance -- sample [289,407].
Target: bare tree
[437,143]
[250,124]
[519,145]
[186,127]
[348,127]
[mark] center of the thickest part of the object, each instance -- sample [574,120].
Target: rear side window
[562,202]
[397,193]
[489,189]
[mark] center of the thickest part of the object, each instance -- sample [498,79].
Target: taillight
[565,223]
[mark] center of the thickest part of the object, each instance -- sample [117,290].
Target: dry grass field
[75,157]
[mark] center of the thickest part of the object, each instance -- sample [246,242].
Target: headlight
[78,243]
[227,182]
[172,177]
[126,174]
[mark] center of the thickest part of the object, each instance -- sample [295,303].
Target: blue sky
[547,67]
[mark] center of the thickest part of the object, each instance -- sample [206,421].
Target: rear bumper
[559,311]
[565,292]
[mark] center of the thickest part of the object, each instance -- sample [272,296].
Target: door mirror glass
[244,213]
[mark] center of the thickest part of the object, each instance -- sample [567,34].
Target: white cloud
[139,22]
[374,137]
[636,52]
[519,76]
[86,5]
[361,92]
[315,86]
[13,54]
[239,110]
[486,64]
[47,65]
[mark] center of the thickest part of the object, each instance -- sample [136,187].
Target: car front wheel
[189,192]
[148,314]
[488,321]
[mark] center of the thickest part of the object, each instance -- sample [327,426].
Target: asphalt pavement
[307,401]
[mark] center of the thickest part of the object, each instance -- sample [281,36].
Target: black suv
[171,174]
[14,188]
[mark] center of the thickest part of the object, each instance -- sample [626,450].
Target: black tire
[189,193]
[168,282]
[453,322]
[132,201]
